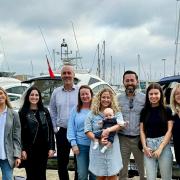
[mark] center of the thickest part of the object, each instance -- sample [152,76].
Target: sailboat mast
[139,71]
[176,43]
[104,61]
[99,70]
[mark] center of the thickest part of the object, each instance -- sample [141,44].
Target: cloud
[147,28]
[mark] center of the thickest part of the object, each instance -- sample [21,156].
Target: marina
[100,39]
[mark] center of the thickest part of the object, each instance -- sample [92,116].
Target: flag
[49,69]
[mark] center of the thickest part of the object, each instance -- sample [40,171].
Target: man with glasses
[131,103]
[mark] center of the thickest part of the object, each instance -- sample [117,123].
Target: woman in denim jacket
[104,165]
[155,131]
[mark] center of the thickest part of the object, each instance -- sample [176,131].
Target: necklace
[34,111]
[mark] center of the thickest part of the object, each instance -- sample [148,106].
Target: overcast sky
[129,28]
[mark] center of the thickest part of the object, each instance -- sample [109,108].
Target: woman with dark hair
[37,135]
[156,131]
[10,137]
[75,132]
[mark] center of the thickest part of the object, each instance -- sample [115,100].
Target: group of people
[102,130]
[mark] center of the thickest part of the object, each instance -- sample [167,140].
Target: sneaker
[103,150]
[122,123]
[96,145]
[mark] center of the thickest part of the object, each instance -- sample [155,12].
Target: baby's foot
[96,145]
[103,150]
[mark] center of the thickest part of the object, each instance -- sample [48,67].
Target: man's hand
[51,153]
[17,162]
[23,155]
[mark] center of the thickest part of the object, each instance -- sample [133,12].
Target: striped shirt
[61,104]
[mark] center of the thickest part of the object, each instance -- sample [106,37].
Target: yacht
[13,87]
[46,85]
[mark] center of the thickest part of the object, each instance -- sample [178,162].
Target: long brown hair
[145,113]
[8,104]
[80,103]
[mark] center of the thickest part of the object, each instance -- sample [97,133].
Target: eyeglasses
[131,104]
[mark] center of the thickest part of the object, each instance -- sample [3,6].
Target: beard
[130,89]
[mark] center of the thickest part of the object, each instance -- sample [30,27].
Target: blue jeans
[164,161]
[7,171]
[83,163]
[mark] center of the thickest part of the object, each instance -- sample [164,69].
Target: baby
[109,121]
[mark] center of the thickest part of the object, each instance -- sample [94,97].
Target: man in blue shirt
[131,103]
[62,101]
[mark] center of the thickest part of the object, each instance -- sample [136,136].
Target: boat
[13,87]
[46,85]
[167,84]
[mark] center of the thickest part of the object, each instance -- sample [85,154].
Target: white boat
[13,87]
[46,85]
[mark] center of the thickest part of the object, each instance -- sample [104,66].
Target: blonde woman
[175,105]
[10,137]
[104,165]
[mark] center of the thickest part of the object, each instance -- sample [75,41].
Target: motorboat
[46,85]
[13,87]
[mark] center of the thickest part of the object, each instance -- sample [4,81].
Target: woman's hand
[23,155]
[157,153]
[51,153]
[75,150]
[105,132]
[148,152]
[104,140]
[17,162]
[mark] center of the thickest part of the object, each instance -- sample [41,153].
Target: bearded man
[131,103]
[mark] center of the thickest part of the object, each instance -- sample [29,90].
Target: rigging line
[101,51]
[4,54]
[76,43]
[45,43]
[93,61]
[145,74]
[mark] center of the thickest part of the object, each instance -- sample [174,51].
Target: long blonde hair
[8,104]
[174,105]
[96,104]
